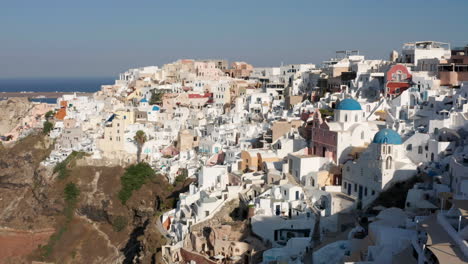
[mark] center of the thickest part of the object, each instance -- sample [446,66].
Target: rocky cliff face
[19,174]
[13,110]
[101,229]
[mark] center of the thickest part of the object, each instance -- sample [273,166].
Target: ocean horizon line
[76,84]
[58,77]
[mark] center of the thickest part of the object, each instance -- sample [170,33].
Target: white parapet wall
[462,244]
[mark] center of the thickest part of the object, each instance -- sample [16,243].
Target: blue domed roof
[155,108]
[349,104]
[143,100]
[387,136]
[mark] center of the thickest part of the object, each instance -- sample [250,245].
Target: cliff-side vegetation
[134,177]
[70,195]
[62,168]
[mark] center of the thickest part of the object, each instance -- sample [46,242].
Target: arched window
[346,118]
[383,150]
[409,147]
[362,134]
[389,150]
[388,163]
[355,118]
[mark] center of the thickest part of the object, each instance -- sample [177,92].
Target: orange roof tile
[61,113]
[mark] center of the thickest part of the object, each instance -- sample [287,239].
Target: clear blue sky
[104,37]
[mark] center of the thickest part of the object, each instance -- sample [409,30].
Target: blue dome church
[349,112]
[338,138]
[349,104]
[382,164]
[387,136]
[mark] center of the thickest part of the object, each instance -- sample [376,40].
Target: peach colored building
[207,70]
[186,140]
[184,99]
[281,127]
[239,69]
[33,119]
[69,123]
[253,159]
[455,70]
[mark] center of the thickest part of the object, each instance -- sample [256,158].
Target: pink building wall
[323,141]
[207,70]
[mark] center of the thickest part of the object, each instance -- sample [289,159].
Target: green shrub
[48,126]
[156,97]
[49,114]
[62,167]
[70,195]
[182,176]
[326,112]
[134,177]
[62,170]
[119,223]
[71,192]
[46,250]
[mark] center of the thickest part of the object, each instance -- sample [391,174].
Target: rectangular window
[355,187]
[365,191]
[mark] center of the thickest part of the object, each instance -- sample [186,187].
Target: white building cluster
[312,152]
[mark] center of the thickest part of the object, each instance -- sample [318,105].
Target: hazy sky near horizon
[56,38]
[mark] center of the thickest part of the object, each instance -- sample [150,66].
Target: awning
[424,204]
[440,243]
[462,205]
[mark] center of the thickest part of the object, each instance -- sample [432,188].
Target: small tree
[48,126]
[140,139]
[156,97]
[71,192]
[49,114]
[182,176]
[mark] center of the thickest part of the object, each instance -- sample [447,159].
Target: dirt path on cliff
[116,257]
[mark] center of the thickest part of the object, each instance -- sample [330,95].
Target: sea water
[85,84]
